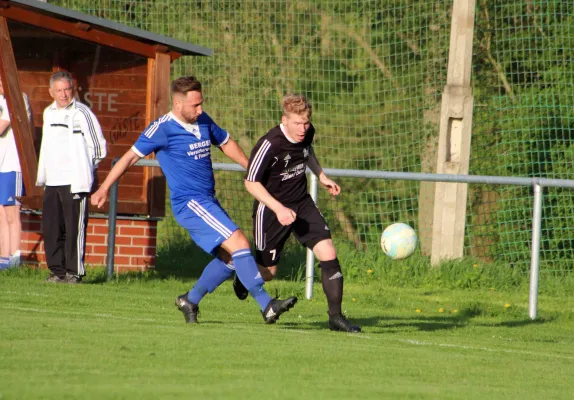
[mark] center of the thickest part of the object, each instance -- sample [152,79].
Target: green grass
[126,339]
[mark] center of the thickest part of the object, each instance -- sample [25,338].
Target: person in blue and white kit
[72,147]
[11,186]
[182,141]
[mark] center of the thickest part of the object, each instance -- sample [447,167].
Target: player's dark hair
[296,104]
[185,84]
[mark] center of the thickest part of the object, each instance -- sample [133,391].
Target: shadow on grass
[388,324]
[397,324]
[521,323]
[187,261]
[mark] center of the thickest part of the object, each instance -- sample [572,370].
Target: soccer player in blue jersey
[182,141]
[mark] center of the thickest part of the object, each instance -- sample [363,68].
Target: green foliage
[374,71]
[524,121]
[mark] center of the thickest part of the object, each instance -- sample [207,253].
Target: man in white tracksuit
[72,146]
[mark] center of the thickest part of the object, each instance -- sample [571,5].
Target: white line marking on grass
[359,336]
[482,348]
[28,293]
[37,310]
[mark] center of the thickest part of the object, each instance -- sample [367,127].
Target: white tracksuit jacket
[87,145]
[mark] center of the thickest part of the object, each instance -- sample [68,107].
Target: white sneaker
[15,259]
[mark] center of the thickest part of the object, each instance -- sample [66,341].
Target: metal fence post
[310,264]
[537,183]
[112,228]
[535,259]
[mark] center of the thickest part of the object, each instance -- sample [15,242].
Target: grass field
[126,339]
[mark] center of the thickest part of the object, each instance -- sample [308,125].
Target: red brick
[125,240]
[144,241]
[122,260]
[99,249]
[143,261]
[95,259]
[136,243]
[129,250]
[141,223]
[124,222]
[32,236]
[99,229]
[96,239]
[131,231]
[30,246]
[123,269]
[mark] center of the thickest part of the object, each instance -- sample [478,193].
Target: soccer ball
[399,241]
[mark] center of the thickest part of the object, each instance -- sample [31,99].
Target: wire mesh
[523,126]
[374,71]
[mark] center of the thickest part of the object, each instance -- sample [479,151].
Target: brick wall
[135,242]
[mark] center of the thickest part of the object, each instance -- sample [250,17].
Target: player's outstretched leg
[332,280]
[276,307]
[214,274]
[189,309]
[249,274]
[240,291]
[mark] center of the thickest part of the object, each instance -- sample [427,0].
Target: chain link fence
[374,72]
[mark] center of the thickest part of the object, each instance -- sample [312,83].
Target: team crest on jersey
[66,118]
[306,152]
[286,159]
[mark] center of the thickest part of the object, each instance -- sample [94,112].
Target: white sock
[15,258]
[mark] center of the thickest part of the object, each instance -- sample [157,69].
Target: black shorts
[270,236]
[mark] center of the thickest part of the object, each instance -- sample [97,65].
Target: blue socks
[214,274]
[217,272]
[249,275]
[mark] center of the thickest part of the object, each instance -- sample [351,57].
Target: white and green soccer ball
[399,241]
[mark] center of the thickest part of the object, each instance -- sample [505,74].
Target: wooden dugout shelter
[121,73]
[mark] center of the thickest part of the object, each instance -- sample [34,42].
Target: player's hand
[99,197]
[330,185]
[286,216]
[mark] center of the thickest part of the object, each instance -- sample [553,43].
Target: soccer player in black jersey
[276,178]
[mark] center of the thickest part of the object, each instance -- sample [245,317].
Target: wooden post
[453,156]
[157,104]
[18,116]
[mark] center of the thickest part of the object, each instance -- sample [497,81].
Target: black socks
[332,280]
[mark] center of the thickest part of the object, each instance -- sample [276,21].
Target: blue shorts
[207,223]
[11,185]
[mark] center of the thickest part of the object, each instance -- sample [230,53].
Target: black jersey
[279,165]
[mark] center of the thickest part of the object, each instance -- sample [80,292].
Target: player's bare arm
[285,215]
[4,125]
[128,159]
[327,183]
[232,150]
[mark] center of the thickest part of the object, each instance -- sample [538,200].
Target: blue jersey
[184,153]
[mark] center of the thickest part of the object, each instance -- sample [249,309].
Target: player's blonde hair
[296,104]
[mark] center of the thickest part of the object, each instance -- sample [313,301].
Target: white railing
[536,183]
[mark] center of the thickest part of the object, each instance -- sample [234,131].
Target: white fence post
[535,256]
[310,270]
